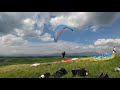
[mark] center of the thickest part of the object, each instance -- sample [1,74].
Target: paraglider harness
[60,73]
[79,72]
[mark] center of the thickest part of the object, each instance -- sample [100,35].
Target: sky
[32,32]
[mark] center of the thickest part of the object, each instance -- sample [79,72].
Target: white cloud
[74,19]
[28,30]
[52,47]
[46,37]
[28,23]
[82,19]
[11,20]
[10,39]
[94,28]
[28,33]
[107,42]
[76,46]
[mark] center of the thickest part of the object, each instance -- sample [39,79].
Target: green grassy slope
[25,71]
[13,61]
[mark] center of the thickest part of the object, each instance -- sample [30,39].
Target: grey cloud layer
[104,18]
[82,19]
[11,20]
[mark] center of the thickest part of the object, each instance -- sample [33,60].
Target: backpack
[83,72]
[60,73]
[47,75]
[79,72]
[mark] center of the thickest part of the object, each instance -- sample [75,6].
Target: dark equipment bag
[79,72]
[60,73]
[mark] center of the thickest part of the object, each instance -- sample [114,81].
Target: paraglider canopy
[59,29]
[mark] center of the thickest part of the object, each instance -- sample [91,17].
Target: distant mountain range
[78,54]
[55,54]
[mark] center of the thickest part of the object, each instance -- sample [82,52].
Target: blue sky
[31,32]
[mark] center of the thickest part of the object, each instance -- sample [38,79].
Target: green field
[11,67]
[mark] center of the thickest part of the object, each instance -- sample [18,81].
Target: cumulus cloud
[103,18]
[51,47]
[28,23]
[11,20]
[28,33]
[33,26]
[73,19]
[38,48]
[35,21]
[10,39]
[45,37]
[107,42]
[82,19]
[94,28]
[28,30]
